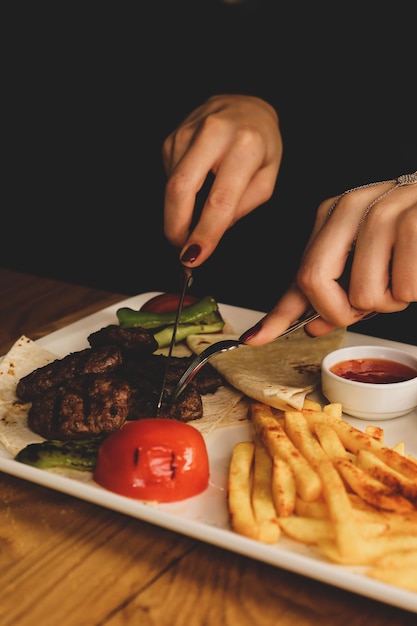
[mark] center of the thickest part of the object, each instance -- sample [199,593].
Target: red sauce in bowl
[381,371]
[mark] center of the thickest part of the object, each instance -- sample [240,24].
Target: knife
[187,281]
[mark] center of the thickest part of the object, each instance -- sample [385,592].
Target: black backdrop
[92,91]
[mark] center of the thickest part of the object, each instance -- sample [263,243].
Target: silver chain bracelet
[404,179]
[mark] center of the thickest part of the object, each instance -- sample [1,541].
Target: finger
[326,256]
[404,260]
[225,205]
[192,166]
[386,254]
[243,181]
[289,308]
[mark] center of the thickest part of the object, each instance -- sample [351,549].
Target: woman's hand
[375,228]
[237,139]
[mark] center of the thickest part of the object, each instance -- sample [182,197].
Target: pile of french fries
[313,477]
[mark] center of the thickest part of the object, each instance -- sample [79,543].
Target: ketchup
[381,371]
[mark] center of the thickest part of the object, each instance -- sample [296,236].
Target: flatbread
[23,357]
[280,373]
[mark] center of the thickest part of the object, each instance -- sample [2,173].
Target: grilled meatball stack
[118,378]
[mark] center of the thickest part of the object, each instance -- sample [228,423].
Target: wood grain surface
[68,562]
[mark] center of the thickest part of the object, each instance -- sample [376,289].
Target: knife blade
[187,277]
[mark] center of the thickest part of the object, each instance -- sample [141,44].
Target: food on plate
[154,459]
[167,303]
[23,357]
[224,406]
[201,317]
[365,509]
[96,390]
[74,454]
[397,569]
[280,373]
[278,442]
[381,371]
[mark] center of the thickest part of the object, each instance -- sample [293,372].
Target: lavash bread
[280,373]
[23,357]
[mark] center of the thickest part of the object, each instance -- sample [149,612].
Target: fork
[230,344]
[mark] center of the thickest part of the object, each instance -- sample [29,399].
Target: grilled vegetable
[154,459]
[147,319]
[75,454]
[201,317]
[167,302]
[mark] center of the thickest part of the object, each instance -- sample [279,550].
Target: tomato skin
[166,303]
[154,459]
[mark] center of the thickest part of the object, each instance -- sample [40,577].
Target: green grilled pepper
[75,454]
[164,336]
[201,317]
[192,314]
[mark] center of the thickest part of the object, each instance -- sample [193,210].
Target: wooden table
[68,562]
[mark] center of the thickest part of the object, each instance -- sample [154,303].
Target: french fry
[340,508]
[311,405]
[262,501]
[405,577]
[308,530]
[327,484]
[334,409]
[317,509]
[330,441]
[242,518]
[302,437]
[277,442]
[396,568]
[354,440]
[397,522]
[385,474]
[370,489]
[251,508]
[366,550]
[400,448]
[404,558]
[375,431]
[284,492]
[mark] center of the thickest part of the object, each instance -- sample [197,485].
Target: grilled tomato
[154,459]
[166,303]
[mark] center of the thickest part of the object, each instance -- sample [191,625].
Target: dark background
[92,91]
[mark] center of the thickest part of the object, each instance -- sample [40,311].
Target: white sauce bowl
[370,401]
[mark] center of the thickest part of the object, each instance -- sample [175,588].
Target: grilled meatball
[84,407]
[143,404]
[61,371]
[94,391]
[136,340]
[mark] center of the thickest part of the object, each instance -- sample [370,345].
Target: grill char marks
[130,340]
[85,407]
[86,362]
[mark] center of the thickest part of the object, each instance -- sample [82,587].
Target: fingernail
[191,254]
[248,334]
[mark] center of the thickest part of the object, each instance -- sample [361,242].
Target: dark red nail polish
[248,334]
[191,254]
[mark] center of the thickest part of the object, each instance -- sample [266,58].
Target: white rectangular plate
[205,517]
